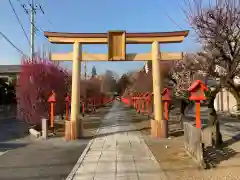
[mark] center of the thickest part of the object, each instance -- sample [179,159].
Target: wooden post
[156,123]
[67,122]
[198,117]
[67,110]
[94,104]
[67,100]
[166,101]
[52,115]
[137,103]
[75,98]
[143,103]
[166,104]
[165,120]
[148,108]
[83,108]
[133,100]
[52,101]
[149,103]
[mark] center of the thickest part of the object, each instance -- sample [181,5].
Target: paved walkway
[118,153]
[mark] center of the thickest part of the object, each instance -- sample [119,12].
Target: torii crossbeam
[116,41]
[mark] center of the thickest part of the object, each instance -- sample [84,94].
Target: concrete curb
[142,139]
[80,160]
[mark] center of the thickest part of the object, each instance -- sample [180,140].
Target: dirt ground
[91,122]
[178,165]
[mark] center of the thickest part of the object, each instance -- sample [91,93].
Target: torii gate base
[116,41]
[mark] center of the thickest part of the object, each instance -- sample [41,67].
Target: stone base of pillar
[156,129]
[153,128]
[67,130]
[164,129]
[79,130]
[73,130]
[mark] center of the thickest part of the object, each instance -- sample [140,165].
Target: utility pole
[146,67]
[31,10]
[85,70]
[32,28]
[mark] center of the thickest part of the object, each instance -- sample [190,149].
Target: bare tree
[122,84]
[181,75]
[217,27]
[109,81]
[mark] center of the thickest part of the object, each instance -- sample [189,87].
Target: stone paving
[118,153]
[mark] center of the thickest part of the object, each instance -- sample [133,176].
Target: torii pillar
[76,125]
[156,123]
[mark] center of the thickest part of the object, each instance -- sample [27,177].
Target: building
[8,71]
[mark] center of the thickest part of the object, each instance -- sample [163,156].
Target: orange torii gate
[116,41]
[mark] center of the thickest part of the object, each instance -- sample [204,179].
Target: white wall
[225,102]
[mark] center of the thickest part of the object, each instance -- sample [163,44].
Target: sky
[93,16]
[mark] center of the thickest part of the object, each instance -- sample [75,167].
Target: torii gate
[116,41]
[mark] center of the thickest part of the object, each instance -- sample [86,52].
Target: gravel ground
[178,165]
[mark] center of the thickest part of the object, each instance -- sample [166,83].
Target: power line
[169,17]
[20,23]
[10,42]
[28,10]
[31,9]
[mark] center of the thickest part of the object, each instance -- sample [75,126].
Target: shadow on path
[9,146]
[120,131]
[41,160]
[214,156]
[11,129]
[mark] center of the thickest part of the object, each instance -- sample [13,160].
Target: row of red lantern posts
[142,101]
[89,104]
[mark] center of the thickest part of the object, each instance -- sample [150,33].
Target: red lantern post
[148,103]
[166,99]
[83,106]
[143,102]
[52,101]
[67,101]
[94,104]
[133,101]
[138,102]
[197,94]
